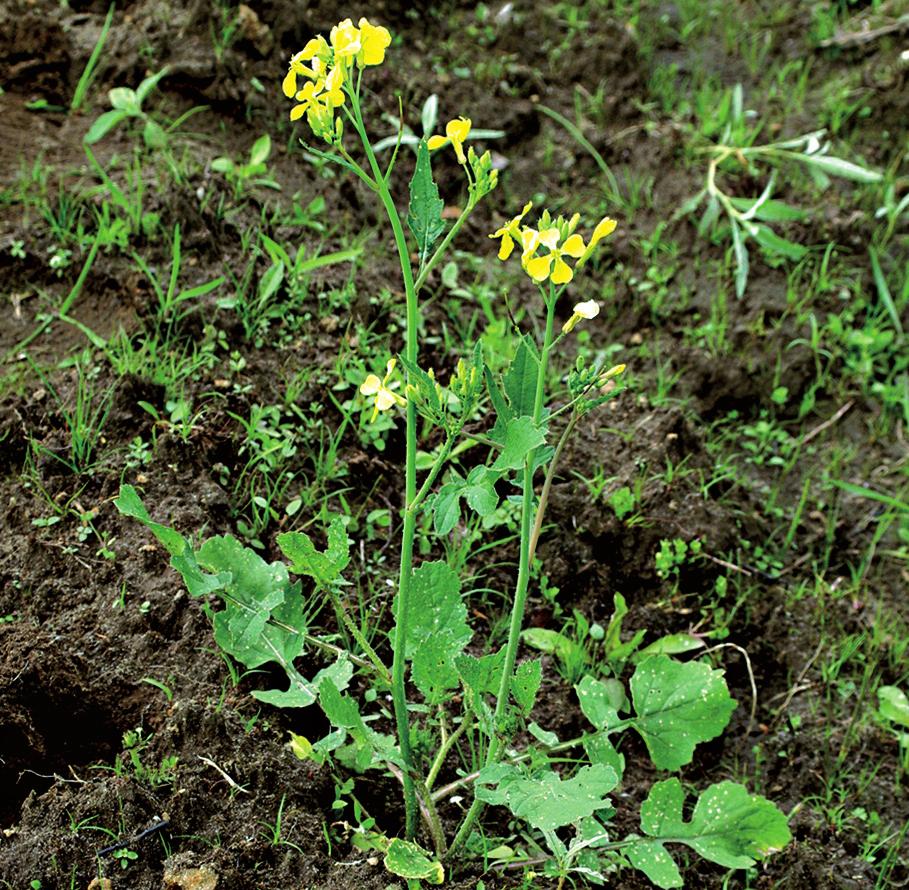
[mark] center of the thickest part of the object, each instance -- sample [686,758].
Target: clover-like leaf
[546,801]
[729,826]
[678,705]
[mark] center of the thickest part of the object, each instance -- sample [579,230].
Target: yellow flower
[510,232]
[605,226]
[374,40]
[589,309]
[316,50]
[385,398]
[551,265]
[455,132]
[345,40]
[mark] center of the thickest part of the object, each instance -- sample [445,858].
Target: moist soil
[82,634]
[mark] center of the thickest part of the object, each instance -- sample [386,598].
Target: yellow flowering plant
[446,699]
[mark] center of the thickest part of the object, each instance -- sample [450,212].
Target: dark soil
[81,634]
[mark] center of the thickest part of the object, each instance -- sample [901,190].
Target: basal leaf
[522,435]
[425,213]
[544,800]
[409,860]
[728,826]
[198,583]
[521,380]
[600,750]
[678,705]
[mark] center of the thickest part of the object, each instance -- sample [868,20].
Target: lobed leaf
[729,826]
[546,801]
[678,705]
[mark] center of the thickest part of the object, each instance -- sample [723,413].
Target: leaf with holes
[729,826]
[678,705]
[546,801]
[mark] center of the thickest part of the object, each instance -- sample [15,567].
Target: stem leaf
[424,216]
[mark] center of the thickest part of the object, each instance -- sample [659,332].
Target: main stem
[398,692]
[522,586]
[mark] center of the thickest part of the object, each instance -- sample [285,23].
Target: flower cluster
[544,249]
[326,66]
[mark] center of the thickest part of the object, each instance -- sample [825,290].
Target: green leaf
[769,240]
[600,750]
[600,702]
[409,860]
[437,629]
[198,583]
[520,380]
[545,800]
[841,168]
[425,213]
[741,259]
[893,704]
[260,150]
[504,412]
[482,675]
[124,99]
[153,134]
[149,84]
[671,644]
[526,683]
[545,640]
[446,510]
[652,858]
[770,210]
[270,282]
[729,826]
[677,706]
[522,435]
[323,567]
[103,124]
[480,491]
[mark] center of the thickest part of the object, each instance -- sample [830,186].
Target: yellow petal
[562,273]
[374,40]
[605,226]
[538,267]
[573,246]
[457,130]
[435,142]
[506,247]
[370,386]
[290,83]
[298,111]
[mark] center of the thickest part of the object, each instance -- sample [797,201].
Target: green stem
[443,247]
[523,582]
[433,473]
[446,746]
[398,692]
[357,634]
